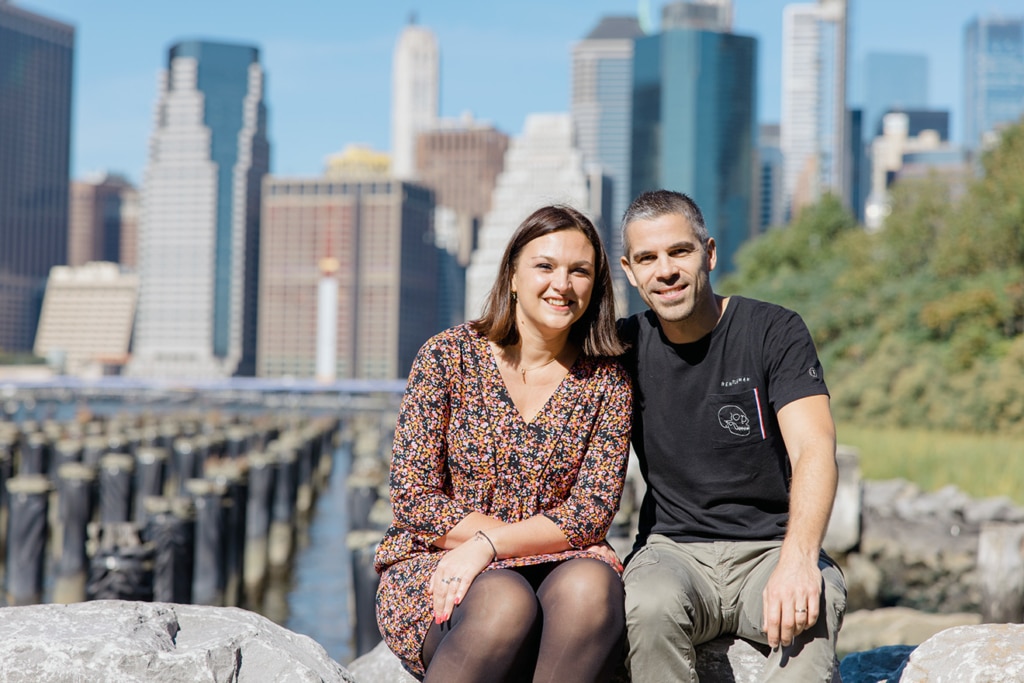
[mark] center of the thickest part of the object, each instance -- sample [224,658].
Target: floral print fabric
[462,446]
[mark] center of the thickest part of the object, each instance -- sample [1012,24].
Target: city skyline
[328,67]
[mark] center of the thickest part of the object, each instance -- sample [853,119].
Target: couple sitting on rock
[510,455]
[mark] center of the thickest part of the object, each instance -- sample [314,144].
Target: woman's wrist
[481,536]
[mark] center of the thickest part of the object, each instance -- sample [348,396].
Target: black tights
[547,622]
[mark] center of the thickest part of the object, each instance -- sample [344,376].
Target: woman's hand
[455,573]
[605,550]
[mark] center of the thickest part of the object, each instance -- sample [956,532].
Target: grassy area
[981,465]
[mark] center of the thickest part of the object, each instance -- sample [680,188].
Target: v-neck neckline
[500,379]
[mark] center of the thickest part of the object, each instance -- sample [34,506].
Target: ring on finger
[800,610]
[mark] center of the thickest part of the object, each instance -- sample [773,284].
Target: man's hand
[791,599]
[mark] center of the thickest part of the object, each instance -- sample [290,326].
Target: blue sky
[328,64]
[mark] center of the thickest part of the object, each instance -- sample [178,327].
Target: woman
[509,459]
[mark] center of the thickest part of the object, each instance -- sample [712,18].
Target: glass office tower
[993,77]
[36,56]
[695,127]
[199,229]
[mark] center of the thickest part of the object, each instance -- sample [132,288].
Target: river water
[319,601]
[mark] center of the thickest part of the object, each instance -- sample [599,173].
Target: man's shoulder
[631,326]
[759,310]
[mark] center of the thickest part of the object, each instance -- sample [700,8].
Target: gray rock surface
[723,660]
[112,640]
[990,653]
[379,665]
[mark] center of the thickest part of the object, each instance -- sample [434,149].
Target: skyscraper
[699,15]
[36,55]
[815,123]
[541,167]
[102,209]
[769,183]
[602,88]
[460,161]
[376,230]
[199,228]
[993,77]
[695,127]
[415,86]
[892,81]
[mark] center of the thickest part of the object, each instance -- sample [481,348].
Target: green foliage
[920,324]
[980,465]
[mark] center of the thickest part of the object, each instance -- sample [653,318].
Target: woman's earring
[515,297]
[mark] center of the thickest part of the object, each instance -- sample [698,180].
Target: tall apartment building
[993,77]
[695,128]
[892,81]
[36,56]
[541,167]
[815,123]
[601,107]
[103,209]
[199,226]
[86,323]
[415,95]
[460,161]
[376,232]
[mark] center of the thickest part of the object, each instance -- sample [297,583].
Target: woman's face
[553,279]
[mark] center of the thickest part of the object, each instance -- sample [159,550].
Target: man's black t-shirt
[705,429]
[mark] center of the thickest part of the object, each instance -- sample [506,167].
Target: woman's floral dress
[462,446]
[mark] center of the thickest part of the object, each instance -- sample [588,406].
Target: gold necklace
[523,371]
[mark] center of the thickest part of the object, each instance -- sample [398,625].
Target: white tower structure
[415,86]
[199,226]
[815,137]
[541,167]
[327,321]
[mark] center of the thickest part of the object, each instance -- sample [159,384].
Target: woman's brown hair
[595,331]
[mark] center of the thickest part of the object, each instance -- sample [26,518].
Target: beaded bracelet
[484,536]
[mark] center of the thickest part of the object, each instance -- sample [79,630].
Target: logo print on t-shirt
[735,420]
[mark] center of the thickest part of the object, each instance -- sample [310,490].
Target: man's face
[669,267]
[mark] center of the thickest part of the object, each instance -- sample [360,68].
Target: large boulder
[724,659]
[990,653]
[113,640]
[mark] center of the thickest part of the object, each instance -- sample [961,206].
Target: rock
[868,629]
[724,659]
[990,653]
[108,640]
[863,582]
[880,665]
[843,533]
[379,665]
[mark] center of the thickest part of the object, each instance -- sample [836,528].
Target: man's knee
[655,593]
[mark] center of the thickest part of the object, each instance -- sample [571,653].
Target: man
[736,444]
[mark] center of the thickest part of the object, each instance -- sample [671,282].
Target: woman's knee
[580,580]
[500,602]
